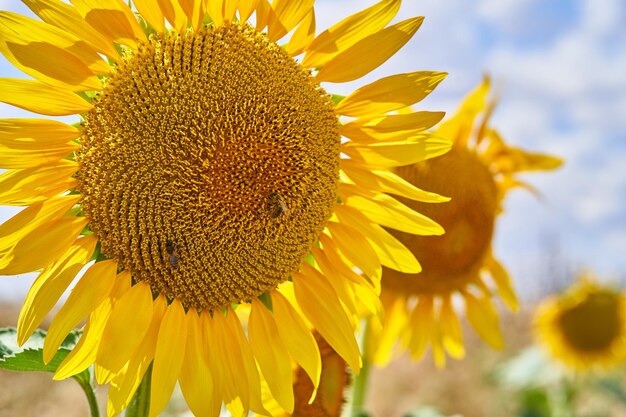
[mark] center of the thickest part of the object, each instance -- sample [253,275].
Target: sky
[560,65]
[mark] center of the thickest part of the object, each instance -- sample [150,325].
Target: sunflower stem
[360,384]
[140,404]
[90,393]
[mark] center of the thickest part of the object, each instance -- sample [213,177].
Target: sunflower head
[184,176]
[585,327]
[210,174]
[476,174]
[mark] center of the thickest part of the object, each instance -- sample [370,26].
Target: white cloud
[510,16]
[603,17]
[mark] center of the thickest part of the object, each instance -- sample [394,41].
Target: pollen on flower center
[593,324]
[451,260]
[209,164]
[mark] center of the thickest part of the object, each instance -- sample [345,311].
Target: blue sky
[561,64]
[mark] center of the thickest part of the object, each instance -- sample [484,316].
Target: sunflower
[326,400]
[209,170]
[585,327]
[477,173]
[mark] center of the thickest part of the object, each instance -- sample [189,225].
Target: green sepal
[88,95]
[336,98]
[30,356]
[266,299]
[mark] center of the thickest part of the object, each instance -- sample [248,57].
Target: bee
[278,206]
[171,253]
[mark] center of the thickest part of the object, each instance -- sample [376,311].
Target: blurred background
[560,67]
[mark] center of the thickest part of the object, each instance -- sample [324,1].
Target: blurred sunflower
[477,174]
[327,400]
[208,171]
[585,327]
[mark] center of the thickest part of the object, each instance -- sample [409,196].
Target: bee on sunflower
[458,266]
[209,170]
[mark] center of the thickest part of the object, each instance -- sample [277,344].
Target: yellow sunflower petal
[89,292]
[250,368]
[390,93]
[297,338]
[328,318]
[383,340]
[194,9]
[344,266]
[484,319]
[450,326]
[174,14]
[212,354]
[392,154]
[40,98]
[168,356]
[342,288]
[503,281]
[534,161]
[368,53]
[509,159]
[422,324]
[196,381]
[348,32]
[388,182]
[25,155]
[151,11]
[29,219]
[459,127]
[66,18]
[43,246]
[369,301]
[287,14]
[229,362]
[24,187]
[124,384]
[246,8]
[393,127]
[50,285]
[84,353]
[221,10]
[271,354]
[263,14]
[391,252]
[354,246]
[126,327]
[329,261]
[302,36]
[386,211]
[113,19]
[49,54]
[41,132]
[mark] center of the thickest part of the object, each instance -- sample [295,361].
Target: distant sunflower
[585,327]
[476,174]
[327,400]
[208,171]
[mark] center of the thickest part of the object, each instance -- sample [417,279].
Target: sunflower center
[451,261]
[593,324]
[209,164]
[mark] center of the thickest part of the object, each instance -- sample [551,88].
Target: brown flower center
[593,324]
[209,164]
[451,261]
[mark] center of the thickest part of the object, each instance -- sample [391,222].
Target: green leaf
[534,403]
[30,356]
